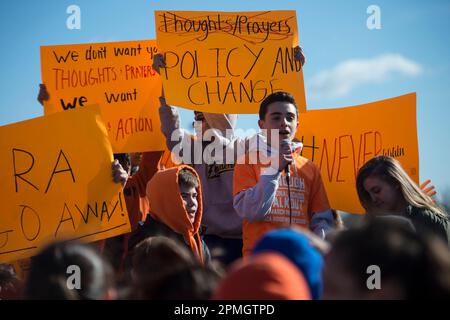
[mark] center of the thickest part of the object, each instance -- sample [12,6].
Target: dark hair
[164,268]
[10,284]
[275,97]
[124,160]
[7,274]
[155,254]
[187,178]
[187,283]
[48,277]
[419,265]
[198,116]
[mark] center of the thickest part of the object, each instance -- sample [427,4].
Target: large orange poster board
[339,141]
[57,183]
[228,62]
[116,75]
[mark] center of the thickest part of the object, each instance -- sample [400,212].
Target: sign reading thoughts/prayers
[119,77]
[57,183]
[228,62]
[339,141]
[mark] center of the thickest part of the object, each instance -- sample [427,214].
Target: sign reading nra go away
[57,183]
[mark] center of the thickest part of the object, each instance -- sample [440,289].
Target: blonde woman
[384,188]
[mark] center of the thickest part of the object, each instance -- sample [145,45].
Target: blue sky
[410,53]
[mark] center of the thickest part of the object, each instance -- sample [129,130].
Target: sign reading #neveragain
[340,141]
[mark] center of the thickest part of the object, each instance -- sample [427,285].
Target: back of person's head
[395,219]
[155,255]
[390,170]
[297,248]
[191,282]
[52,269]
[266,276]
[164,269]
[275,97]
[410,266]
[10,285]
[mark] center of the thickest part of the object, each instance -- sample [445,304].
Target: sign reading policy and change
[223,62]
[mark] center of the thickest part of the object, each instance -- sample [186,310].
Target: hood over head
[167,206]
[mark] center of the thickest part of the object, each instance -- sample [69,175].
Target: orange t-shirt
[308,196]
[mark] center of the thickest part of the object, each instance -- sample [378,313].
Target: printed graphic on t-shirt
[279,212]
[215,170]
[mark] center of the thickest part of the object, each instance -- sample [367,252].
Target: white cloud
[340,80]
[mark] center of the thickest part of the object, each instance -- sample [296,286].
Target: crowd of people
[256,225]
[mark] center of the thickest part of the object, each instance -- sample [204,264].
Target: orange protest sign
[57,183]
[116,75]
[339,141]
[228,62]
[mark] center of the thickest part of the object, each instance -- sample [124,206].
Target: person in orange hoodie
[274,186]
[175,197]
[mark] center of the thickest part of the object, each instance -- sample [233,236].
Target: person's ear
[261,124]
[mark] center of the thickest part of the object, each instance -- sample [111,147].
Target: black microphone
[287,168]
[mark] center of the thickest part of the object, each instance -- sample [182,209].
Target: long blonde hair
[391,171]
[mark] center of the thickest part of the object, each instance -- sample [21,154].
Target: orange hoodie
[167,206]
[134,191]
[166,161]
[137,204]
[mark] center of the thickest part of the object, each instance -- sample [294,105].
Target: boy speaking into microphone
[265,196]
